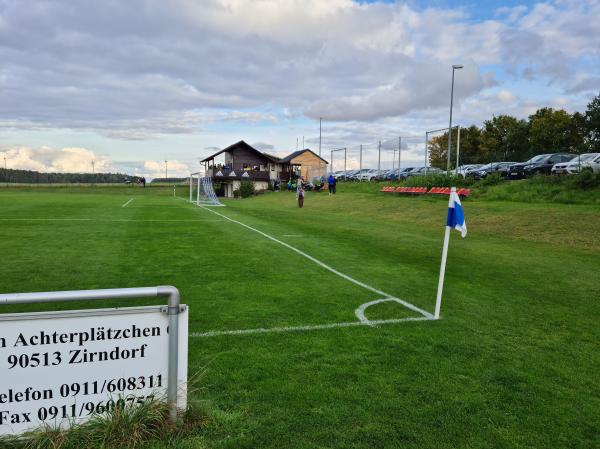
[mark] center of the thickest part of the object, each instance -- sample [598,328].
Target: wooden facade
[307,164]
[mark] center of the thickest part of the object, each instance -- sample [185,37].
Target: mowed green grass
[512,364]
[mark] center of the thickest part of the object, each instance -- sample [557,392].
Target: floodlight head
[457,66]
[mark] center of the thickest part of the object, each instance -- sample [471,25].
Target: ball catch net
[202,192]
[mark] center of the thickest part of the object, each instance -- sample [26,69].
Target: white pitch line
[327,267]
[292,235]
[307,328]
[360,312]
[125,205]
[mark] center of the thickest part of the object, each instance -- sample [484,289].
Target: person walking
[332,182]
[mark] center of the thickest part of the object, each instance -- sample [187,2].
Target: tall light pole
[320,126]
[166,172]
[454,67]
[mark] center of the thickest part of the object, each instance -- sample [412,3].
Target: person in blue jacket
[332,182]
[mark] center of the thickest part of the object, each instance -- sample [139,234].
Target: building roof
[298,153]
[244,144]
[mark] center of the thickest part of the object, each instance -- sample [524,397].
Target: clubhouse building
[241,161]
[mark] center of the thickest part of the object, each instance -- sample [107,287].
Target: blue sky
[130,84]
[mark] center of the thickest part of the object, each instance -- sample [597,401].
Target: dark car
[493,167]
[403,174]
[541,163]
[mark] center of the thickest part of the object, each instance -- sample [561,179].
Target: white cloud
[140,69]
[46,159]
[506,96]
[156,169]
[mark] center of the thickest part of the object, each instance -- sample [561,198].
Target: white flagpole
[438,300]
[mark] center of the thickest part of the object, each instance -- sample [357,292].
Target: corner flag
[456,217]
[456,220]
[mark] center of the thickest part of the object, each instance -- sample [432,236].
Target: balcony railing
[222,174]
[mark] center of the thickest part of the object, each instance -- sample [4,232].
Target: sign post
[63,367]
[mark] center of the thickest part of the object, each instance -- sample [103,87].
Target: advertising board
[63,367]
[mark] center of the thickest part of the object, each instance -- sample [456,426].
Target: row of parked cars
[372,174]
[549,164]
[553,163]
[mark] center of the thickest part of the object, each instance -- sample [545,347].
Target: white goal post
[202,192]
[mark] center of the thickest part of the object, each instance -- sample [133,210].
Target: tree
[505,138]
[592,124]
[553,131]
[470,151]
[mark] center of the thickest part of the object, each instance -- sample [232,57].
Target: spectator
[332,182]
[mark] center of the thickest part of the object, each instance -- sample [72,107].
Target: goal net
[202,192]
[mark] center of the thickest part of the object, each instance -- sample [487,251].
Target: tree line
[506,138]
[36,177]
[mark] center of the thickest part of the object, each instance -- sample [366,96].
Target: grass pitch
[513,363]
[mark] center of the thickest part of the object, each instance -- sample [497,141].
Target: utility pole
[360,165]
[166,172]
[320,125]
[331,162]
[454,67]
[426,138]
[379,162]
[303,143]
[399,153]
[320,128]
[457,151]
[5,170]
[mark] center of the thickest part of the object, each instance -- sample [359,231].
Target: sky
[130,84]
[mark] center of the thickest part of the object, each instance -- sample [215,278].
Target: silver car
[589,160]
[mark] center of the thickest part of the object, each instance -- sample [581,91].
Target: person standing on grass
[300,192]
[332,182]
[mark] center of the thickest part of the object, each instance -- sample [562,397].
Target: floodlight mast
[454,67]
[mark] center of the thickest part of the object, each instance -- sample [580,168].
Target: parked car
[592,164]
[464,169]
[493,167]
[423,171]
[369,175]
[581,162]
[403,174]
[394,174]
[384,174]
[541,163]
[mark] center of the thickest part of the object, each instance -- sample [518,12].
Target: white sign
[59,367]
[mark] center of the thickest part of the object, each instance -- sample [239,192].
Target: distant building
[242,161]
[306,163]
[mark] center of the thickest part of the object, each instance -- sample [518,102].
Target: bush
[491,180]
[237,193]
[246,189]
[585,180]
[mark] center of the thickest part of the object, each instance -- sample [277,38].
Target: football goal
[202,192]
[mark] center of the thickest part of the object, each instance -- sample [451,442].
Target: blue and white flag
[456,217]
